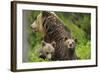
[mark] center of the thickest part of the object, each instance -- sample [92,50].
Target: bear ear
[65,38]
[53,43]
[45,13]
[75,40]
[43,43]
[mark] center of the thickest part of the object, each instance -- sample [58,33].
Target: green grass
[34,55]
[83,51]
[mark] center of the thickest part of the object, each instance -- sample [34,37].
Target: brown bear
[47,50]
[70,46]
[53,29]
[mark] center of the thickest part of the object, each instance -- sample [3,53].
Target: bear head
[47,50]
[70,43]
[37,25]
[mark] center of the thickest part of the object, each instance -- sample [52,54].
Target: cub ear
[65,38]
[45,13]
[53,43]
[43,43]
[75,40]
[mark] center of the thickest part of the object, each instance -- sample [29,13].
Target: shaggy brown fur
[54,28]
[55,31]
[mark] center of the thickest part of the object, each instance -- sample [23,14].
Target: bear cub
[47,50]
[70,46]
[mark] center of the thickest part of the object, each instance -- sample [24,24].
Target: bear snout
[70,45]
[33,28]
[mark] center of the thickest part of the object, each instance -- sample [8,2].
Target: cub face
[47,50]
[70,43]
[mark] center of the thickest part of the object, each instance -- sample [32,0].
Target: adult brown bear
[53,29]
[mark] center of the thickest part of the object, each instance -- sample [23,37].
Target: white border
[21,65]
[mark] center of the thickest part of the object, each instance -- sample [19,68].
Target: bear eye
[68,42]
[51,52]
[72,42]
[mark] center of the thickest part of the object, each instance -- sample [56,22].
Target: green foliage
[78,23]
[34,54]
[83,50]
